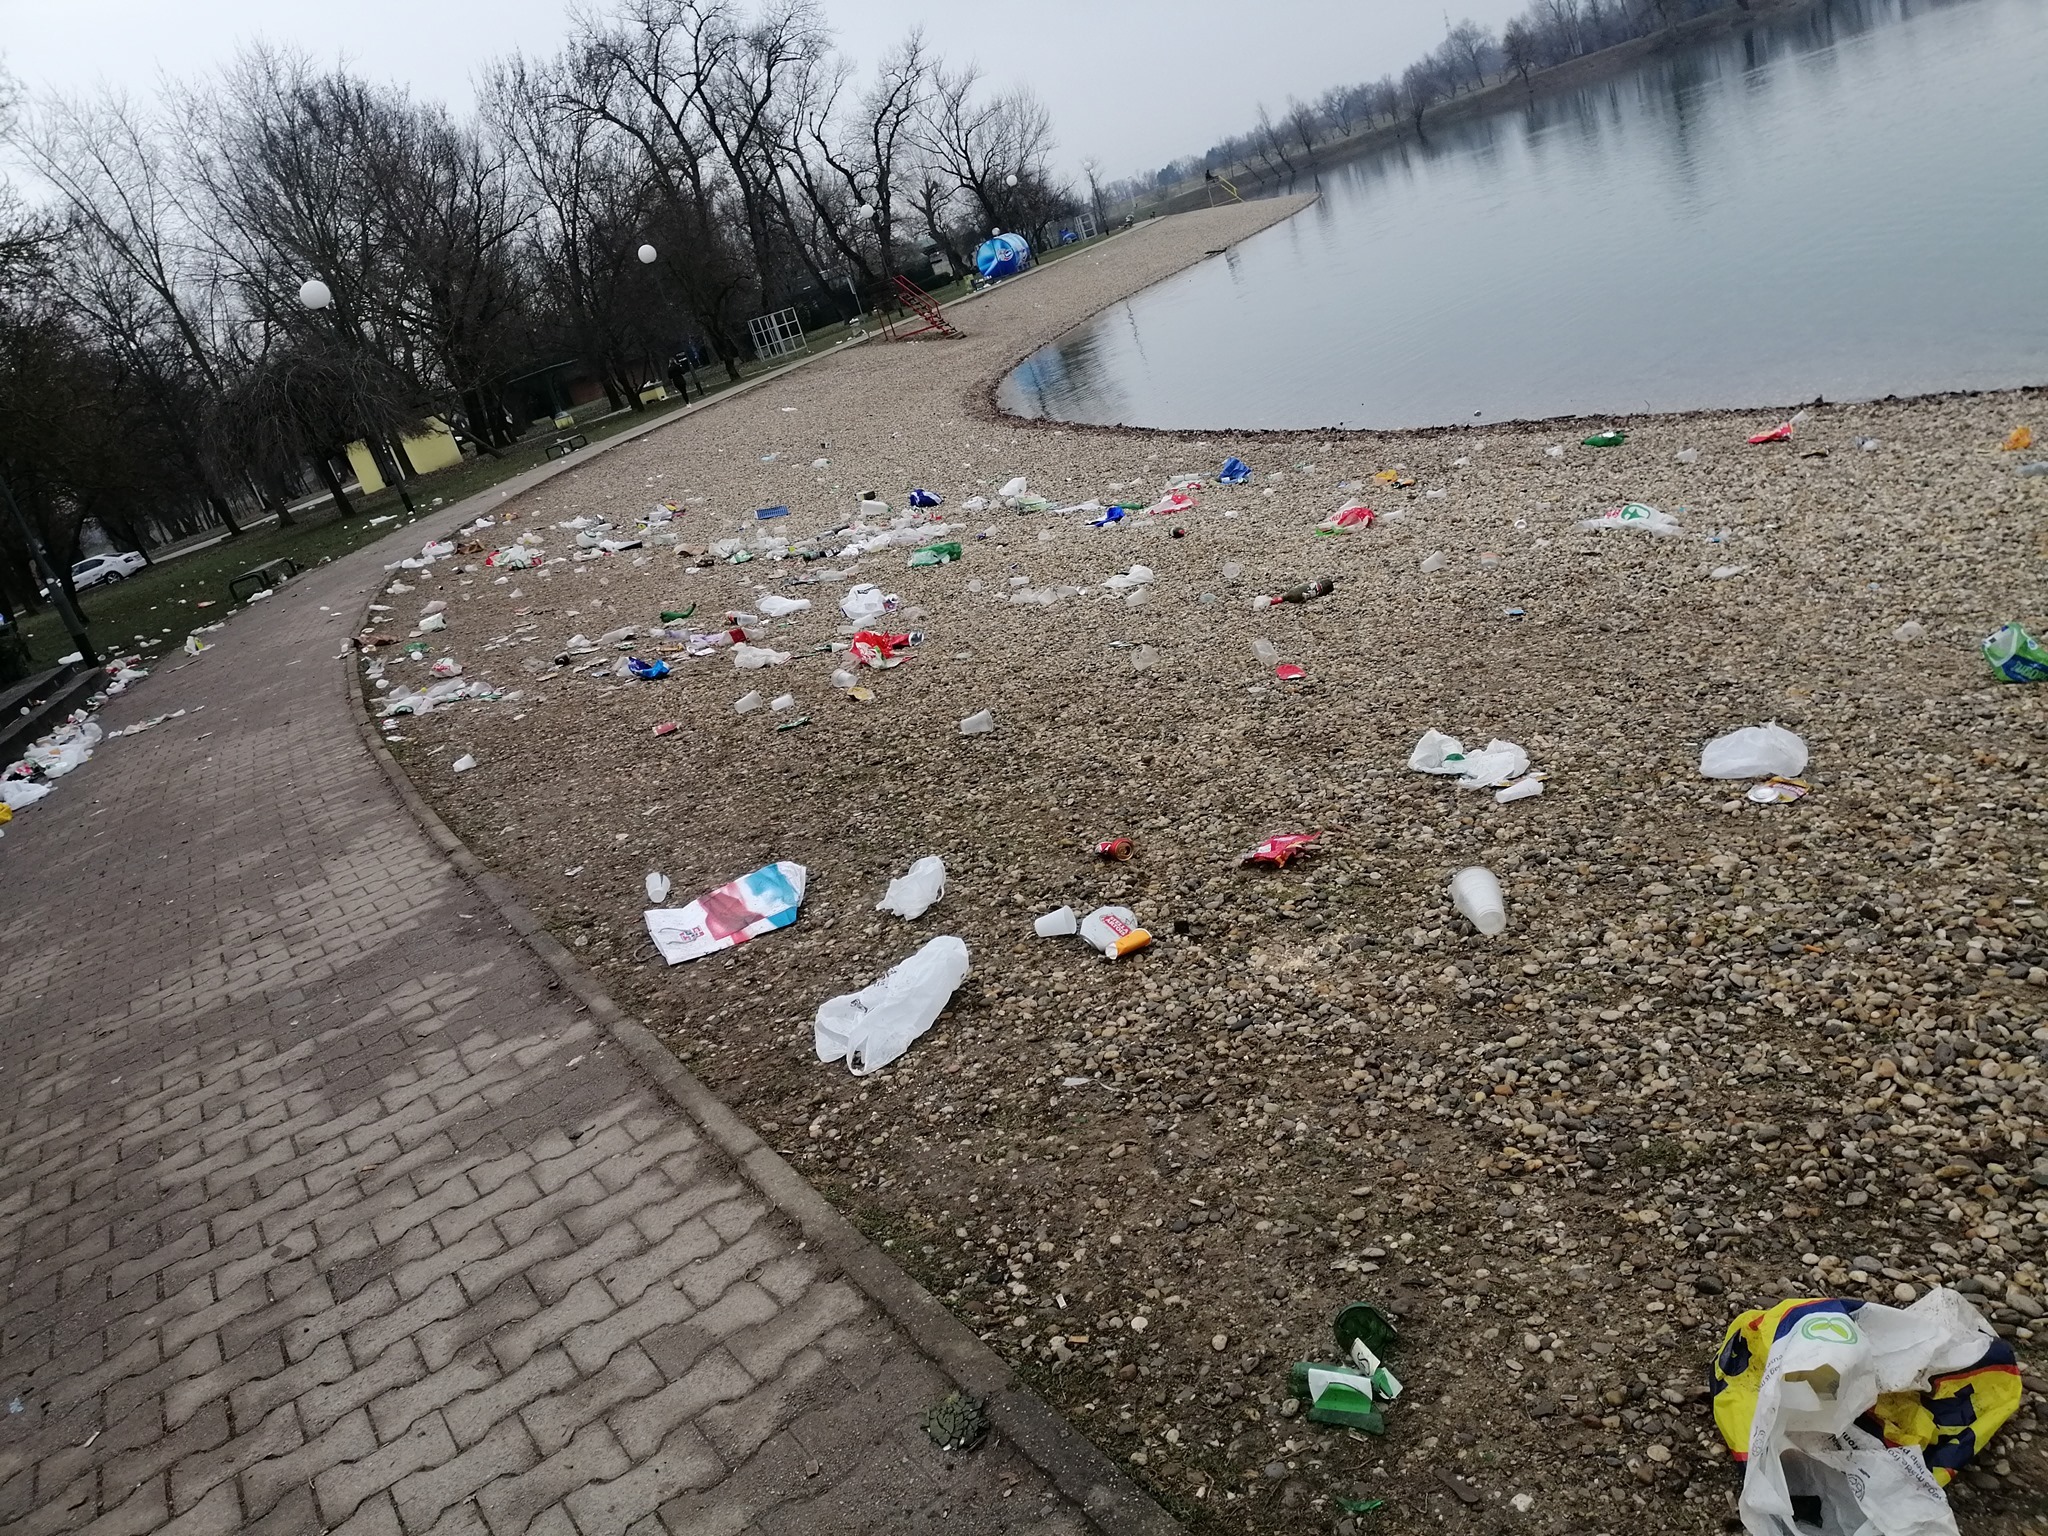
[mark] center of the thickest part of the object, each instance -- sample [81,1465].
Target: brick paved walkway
[323,1207]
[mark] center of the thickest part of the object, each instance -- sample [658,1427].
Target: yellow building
[433,449]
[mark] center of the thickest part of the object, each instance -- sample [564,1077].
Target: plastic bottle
[1267,652]
[1476,894]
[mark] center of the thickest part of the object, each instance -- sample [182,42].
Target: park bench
[562,447]
[271,573]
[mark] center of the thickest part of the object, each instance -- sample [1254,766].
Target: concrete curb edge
[1073,1463]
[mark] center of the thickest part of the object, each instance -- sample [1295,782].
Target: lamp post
[74,621]
[317,296]
[648,257]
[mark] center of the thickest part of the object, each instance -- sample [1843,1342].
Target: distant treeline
[1470,58]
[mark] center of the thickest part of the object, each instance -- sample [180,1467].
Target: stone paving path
[324,1208]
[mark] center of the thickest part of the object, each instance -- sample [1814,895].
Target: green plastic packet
[1611,438]
[2017,656]
[934,554]
[1336,1394]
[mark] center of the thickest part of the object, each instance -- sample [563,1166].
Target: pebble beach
[1724,1052]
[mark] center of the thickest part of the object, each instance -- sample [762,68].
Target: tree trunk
[332,481]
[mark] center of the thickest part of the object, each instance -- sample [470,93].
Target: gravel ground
[1725,1052]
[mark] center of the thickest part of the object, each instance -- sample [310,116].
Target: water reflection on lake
[1850,204]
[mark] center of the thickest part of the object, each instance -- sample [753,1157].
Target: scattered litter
[1799,1388]
[1687,455]
[2034,471]
[1611,438]
[979,723]
[778,607]
[870,1028]
[2019,439]
[743,909]
[768,513]
[934,554]
[646,671]
[923,498]
[1527,788]
[447,666]
[782,701]
[462,764]
[1290,672]
[748,702]
[1114,931]
[1912,629]
[1016,487]
[1353,514]
[1234,472]
[794,725]
[2016,656]
[1057,923]
[658,888]
[1433,562]
[913,894]
[1726,572]
[1119,849]
[1477,896]
[865,603]
[1778,791]
[1498,763]
[1634,514]
[1276,851]
[1144,659]
[1754,752]
[1782,433]
[751,657]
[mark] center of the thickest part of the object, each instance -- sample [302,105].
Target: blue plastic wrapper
[646,671]
[767,512]
[923,499]
[1234,472]
[1109,515]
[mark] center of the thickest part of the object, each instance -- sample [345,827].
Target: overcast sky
[1134,82]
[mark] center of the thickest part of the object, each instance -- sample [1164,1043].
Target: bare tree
[1518,48]
[1422,86]
[1301,122]
[978,142]
[137,282]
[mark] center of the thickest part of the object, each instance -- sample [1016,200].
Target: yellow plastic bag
[2018,438]
[1858,1365]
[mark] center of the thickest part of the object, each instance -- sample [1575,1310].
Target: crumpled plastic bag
[776,606]
[1634,514]
[1851,1417]
[1234,472]
[737,911]
[865,603]
[915,893]
[1754,752]
[870,1028]
[1499,762]
[19,794]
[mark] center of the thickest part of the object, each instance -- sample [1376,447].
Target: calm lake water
[1850,205]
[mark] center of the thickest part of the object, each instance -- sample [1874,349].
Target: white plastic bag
[865,603]
[914,894]
[777,607]
[1818,1380]
[1754,752]
[750,657]
[1435,753]
[870,1028]
[1501,762]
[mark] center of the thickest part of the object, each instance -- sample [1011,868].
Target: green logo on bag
[1829,1328]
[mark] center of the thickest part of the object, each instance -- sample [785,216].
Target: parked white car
[92,571]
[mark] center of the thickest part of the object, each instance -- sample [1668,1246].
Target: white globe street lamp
[315,294]
[647,255]
[1010,180]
